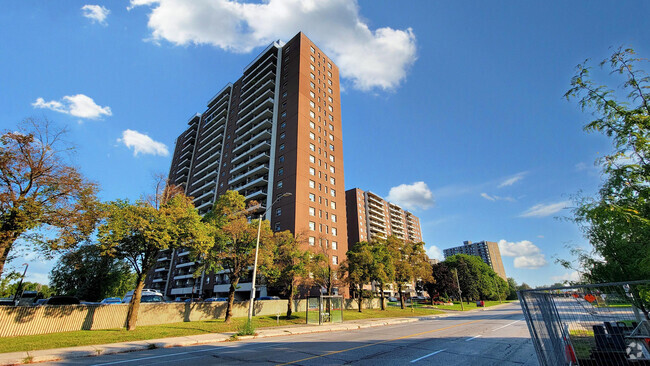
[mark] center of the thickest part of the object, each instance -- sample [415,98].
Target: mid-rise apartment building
[275,130]
[370,217]
[487,250]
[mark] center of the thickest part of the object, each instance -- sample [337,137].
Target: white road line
[154,357]
[507,325]
[425,356]
[469,339]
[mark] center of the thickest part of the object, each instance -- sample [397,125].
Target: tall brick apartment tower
[275,130]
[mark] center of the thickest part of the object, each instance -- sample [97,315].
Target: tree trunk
[401,296]
[290,303]
[381,288]
[134,305]
[360,299]
[7,239]
[231,298]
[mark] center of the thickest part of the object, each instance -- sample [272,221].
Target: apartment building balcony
[161,269]
[259,62]
[259,76]
[260,193]
[262,146]
[265,92]
[186,154]
[156,280]
[260,112]
[261,136]
[182,290]
[375,199]
[187,145]
[163,259]
[260,158]
[260,169]
[203,165]
[183,277]
[190,132]
[185,264]
[204,206]
[205,195]
[220,95]
[215,135]
[206,151]
[253,182]
[184,253]
[217,110]
[202,182]
[183,169]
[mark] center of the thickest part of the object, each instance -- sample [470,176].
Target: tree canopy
[40,189]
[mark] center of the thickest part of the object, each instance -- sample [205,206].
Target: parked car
[196,299]
[393,299]
[112,300]
[147,296]
[216,299]
[268,298]
[181,299]
[62,300]
[40,302]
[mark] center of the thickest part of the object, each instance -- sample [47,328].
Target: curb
[62,354]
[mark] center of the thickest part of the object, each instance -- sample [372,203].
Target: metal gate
[603,324]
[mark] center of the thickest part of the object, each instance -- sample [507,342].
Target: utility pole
[460,292]
[20,284]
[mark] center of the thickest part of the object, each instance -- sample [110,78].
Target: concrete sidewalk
[58,354]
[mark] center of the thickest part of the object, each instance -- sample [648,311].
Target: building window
[312,147]
[312,114]
[312,49]
[332,181]
[333,192]
[333,205]
[312,197]
[312,159]
[312,124]
[330,117]
[311,83]
[312,58]
[329,73]
[331,137]
[331,147]
[280,171]
[331,158]
[312,136]
[335,245]
[284,114]
[329,65]
[335,259]
[281,159]
[278,212]
[312,104]
[279,184]
[311,94]
[330,108]
[281,147]
[329,90]
[312,184]
[312,226]
[332,169]
[312,241]
[282,135]
[312,171]
[329,81]
[330,99]
[284,94]
[333,217]
[311,74]
[334,231]
[312,211]
[277,226]
[283,125]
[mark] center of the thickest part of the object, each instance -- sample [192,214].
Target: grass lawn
[583,341]
[89,337]
[456,306]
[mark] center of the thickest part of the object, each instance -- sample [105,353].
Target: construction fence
[602,324]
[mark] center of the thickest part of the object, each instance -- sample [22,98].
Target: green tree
[137,232]
[44,200]
[512,289]
[290,266]
[411,263]
[232,242]
[91,276]
[443,283]
[324,273]
[617,220]
[357,268]
[382,271]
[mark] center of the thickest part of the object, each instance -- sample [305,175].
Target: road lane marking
[425,356]
[380,342]
[469,339]
[507,325]
[152,357]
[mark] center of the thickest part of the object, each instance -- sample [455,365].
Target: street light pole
[460,292]
[20,284]
[257,248]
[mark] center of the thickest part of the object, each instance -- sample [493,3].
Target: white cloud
[95,13]
[413,196]
[141,143]
[542,210]
[79,105]
[567,276]
[369,58]
[435,252]
[526,254]
[512,180]
[497,198]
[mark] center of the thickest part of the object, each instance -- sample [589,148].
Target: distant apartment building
[276,130]
[487,250]
[370,216]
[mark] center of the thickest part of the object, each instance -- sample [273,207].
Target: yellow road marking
[388,340]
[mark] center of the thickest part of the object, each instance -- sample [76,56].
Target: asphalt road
[491,337]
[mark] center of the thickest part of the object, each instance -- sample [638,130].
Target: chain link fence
[603,324]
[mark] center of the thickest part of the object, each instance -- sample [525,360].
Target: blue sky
[452,109]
